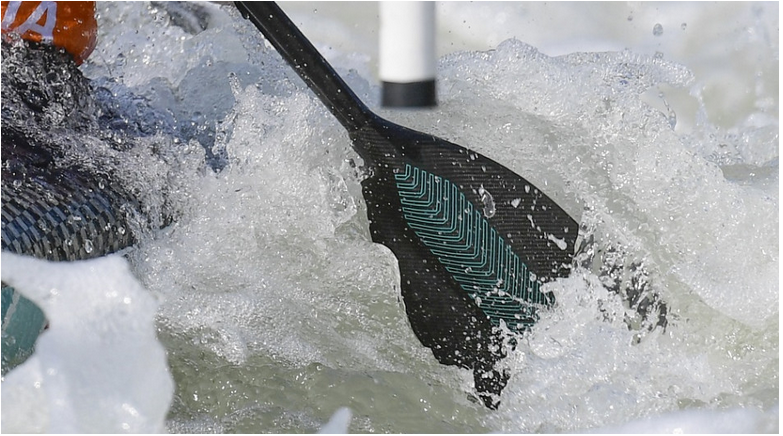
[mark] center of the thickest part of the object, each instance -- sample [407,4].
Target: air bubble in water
[657,29]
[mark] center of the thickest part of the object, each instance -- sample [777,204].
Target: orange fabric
[70,25]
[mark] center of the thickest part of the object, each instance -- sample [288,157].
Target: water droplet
[489,202]
[515,202]
[561,243]
[88,246]
[683,26]
[657,29]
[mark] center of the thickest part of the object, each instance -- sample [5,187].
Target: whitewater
[255,300]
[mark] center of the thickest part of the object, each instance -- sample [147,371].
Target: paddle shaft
[320,77]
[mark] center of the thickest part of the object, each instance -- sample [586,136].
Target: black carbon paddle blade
[474,240]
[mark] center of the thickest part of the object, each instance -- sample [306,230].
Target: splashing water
[276,309]
[99,367]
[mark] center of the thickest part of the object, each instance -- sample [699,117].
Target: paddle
[474,241]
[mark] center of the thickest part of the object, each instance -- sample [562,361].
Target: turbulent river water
[274,307]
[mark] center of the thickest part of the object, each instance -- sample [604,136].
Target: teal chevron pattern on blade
[469,248]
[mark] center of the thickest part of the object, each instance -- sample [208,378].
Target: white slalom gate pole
[407,53]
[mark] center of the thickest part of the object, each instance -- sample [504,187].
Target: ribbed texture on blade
[469,248]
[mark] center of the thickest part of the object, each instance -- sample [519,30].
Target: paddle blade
[474,242]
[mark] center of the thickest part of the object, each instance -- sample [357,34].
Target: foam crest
[99,367]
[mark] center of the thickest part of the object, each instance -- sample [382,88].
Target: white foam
[731,421]
[99,367]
